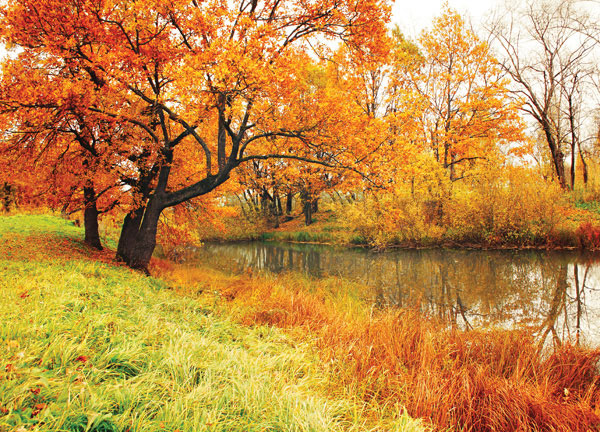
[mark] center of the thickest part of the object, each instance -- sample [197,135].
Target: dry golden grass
[492,380]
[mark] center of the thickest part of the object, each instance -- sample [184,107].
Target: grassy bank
[90,346]
[482,380]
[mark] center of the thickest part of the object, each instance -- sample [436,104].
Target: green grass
[592,206]
[297,236]
[88,346]
[38,224]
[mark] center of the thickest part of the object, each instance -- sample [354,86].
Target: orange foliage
[189,92]
[468,110]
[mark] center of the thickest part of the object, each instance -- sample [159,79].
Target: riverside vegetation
[86,345]
[89,345]
[511,208]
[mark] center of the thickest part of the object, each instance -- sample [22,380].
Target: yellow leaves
[466,111]
[494,205]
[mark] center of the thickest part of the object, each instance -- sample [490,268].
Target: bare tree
[545,47]
[573,89]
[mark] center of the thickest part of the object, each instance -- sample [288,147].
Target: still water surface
[556,293]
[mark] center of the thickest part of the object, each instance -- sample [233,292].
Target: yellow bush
[509,205]
[495,205]
[380,219]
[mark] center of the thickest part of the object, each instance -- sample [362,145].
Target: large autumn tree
[206,86]
[64,155]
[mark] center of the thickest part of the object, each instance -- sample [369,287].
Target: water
[555,292]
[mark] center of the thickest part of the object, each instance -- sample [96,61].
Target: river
[557,293]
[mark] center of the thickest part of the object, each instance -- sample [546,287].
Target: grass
[484,380]
[38,224]
[89,346]
[296,236]
[591,206]
[86,345]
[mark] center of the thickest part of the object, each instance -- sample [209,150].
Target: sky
[414,15]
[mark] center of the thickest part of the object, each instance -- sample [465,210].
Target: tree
[467,106]
[61,151]
[209,86]
[572,89]
[545,47]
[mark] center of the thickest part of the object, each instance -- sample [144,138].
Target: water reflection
[555,292]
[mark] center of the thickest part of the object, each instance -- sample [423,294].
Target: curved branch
[130,120]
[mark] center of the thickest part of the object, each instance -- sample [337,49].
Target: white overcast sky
[414,15]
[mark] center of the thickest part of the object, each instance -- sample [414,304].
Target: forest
[184,185]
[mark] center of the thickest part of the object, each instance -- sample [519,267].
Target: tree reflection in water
[568,309]
[555,293]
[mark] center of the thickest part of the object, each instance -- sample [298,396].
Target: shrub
[500,206]
[588,235]
[495,206]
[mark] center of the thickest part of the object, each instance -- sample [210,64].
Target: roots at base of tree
[94,243]
[134,264]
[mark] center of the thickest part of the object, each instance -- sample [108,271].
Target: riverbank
[479,380]
[577,228]
[89,345]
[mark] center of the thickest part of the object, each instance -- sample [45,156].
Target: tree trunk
[265,203]
[7,196]
[279,208]
[584,166]
[131,225]
[275,215]
[557,155]
[573,158]
[574,138]
[90,218]
[307,213]
[249,197]
[451,167]
[138,236]
[573,153]
[289,203]
[146,237]
[314,205]
[306,207]
[222,134]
